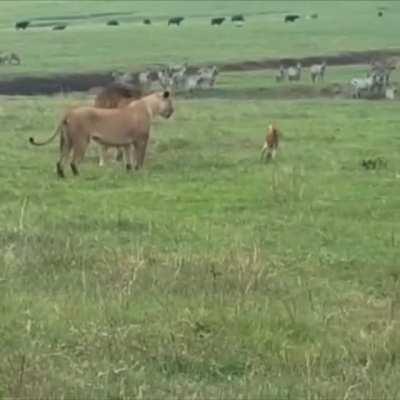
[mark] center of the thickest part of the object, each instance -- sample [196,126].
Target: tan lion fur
[127,127]
[115,95]
[271,142]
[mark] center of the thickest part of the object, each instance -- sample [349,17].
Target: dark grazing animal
[175,21]
[21,25]
[147,21]
[380,13]
[112,22]
[59,27]
[237,18]
[374,163]
[217,21]
[291,17]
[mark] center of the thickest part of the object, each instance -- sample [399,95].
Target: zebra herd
[377,81]
[9,58]
[293,73]
[176,77]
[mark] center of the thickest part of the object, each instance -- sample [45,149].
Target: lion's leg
[128,156]
[135,153]
[120,154]
[102,154]
[78,154]
[263,150]
[65,150]
[140,147]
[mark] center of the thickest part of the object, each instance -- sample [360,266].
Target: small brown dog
[271,142]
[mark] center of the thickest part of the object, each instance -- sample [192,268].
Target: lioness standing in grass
[127,127]
[115,95]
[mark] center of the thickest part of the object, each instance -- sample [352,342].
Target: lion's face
[166,106]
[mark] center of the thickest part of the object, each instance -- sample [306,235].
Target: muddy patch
[54,84]
[279,92]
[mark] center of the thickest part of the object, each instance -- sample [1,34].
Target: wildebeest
[217,21]
[317,71]
[113,22]
[21,25]
[147,21]
[237,18]
[281,75]
[291,17]
[59,27]
[10,58]
[175,21]
[294,73]
[380,13]
[314,16]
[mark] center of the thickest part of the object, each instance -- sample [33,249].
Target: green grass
[208,273]
[88,45]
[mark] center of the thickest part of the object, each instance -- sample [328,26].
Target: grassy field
[209,274]
[89,45]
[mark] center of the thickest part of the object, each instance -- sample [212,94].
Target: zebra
[188,78]
[281,75]
[363,84]
[207,76]
[317,71]
[294,73]
[382,68]
[10,58]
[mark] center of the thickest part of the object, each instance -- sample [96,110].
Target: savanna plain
[208,274]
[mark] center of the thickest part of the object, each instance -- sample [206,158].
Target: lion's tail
[56,133]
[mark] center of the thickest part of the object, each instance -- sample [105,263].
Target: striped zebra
[294,73]
[360,85]
[281,74]
[317,71]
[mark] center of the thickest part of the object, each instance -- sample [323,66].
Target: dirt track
[83,82]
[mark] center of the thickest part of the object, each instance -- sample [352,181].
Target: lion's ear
[166,94]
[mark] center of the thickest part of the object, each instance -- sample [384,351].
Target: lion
[117,95]
[271,142]
[113,96]
[127,127]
